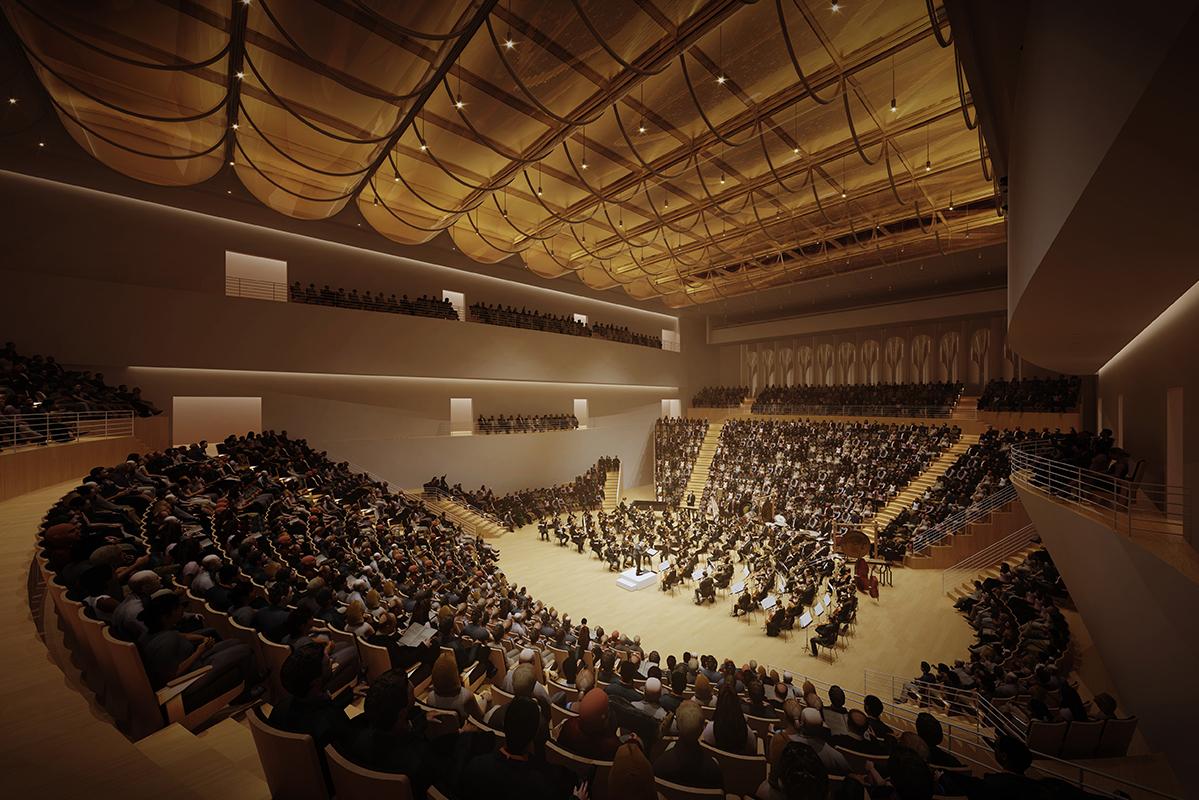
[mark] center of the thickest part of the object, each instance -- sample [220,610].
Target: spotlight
[722,178]
[231,163]
[235,126]
[508,43]
[539,191]
[835,7]
[721,79]
[843,195]
[459,104]
[641,128]
[795,150]
[12,101]
[241,75]
[396,179]
[928,166]
[894,107]
[423,147]
[584,165]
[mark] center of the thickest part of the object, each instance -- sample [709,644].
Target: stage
[912,621]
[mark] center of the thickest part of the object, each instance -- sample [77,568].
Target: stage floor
[912,620]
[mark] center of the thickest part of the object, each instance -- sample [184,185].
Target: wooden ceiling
[684,151]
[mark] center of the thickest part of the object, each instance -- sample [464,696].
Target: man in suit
[706,590]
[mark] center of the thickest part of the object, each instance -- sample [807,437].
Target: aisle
[911,622]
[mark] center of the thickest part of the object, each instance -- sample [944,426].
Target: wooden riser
[976,537]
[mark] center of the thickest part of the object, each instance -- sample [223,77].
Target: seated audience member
[307,708]
[590,734]
[874,711]
[857,736]
[631,775]
[798,774]
[388,736]
[686,762]
[728,730]
[813,734]
[908,777]
[448,692]
[928,728]
[340,659]
[651,703]
[624,687]
[512,772]
[168,654]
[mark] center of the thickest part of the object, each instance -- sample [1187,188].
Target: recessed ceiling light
[41,144]
[12,101]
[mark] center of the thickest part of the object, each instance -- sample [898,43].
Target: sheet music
[417,635]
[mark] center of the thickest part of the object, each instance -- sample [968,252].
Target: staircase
[958,580]
[971,538]
[926,479]
[219,762]
[966,409]
[470,520]
[703,462]
[611,490]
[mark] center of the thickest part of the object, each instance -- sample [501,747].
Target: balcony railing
[957,522]
[255,289]
[57,427]
[936,412]
[1129,506]
[989,556]
[595,330]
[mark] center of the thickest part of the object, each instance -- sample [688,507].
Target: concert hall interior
[598,399]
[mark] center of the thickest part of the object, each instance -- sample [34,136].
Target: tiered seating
[42,402]
[558,323]
[676,444]
[423,306]
[517,509]
[976,474]
[536,423]
[270,533]
[890,400]
[821,476]
[720,396]
[1056,395]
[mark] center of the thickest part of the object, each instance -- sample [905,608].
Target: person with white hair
[527,658]
[206,578]
[813,733]
[651,702]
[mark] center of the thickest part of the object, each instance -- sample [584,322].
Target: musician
[706,592]
[638,553]
[544,530]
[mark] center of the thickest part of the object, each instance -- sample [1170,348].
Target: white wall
[211,419]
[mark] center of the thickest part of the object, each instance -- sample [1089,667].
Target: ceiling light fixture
[423,147]
[894,106]
[951,199]
[459,104]
[241,75]
[12,101]
[721,79]
[508,43]
[235,126]
[835,7]
[722,178]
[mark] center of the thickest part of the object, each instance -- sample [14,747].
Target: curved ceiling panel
[684,151]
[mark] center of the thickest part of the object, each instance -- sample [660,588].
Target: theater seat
[594,771]
[673,791]
[1117,735]
[290,761]
[742,774]
[375,659]
[352,782]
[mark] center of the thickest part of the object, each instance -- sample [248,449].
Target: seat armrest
[179,685]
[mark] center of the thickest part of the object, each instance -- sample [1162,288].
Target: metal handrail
[442,494]
[1131,506]
[992,554]
[56,427]
[549,323]
[255,289]
[956,522]
[878,410]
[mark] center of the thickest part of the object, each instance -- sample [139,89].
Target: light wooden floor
[912,621]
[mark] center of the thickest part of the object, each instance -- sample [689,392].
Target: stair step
[202,768]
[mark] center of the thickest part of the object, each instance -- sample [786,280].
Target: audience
[324,541]
[676,444]
[422,306]
[556,323]
[720,397]
[531,424]
[39,398]
[883,399]
[1056,395]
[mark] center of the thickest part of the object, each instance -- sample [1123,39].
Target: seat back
[499,697]
[674,791]
[352,782]
[101,679]
[217,620]
[742,774]
[290,761]
[762,726]
[375,659]
[142,714]
[441,721]
[273,656]
[594,771]
[558,715]
[1082,739]
[1046,737]
[500,661]
[1117,735]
